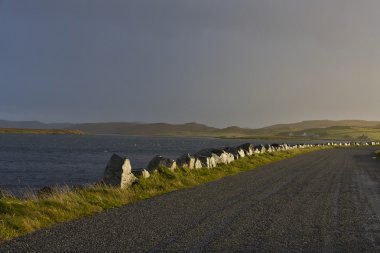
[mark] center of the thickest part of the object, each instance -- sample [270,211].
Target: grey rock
[248,148]
[285,146]
[128,180]
[119,172]
[198,164]
[232,151]
[207,162]
[241,152]
[269,148]
[260,149]
[230,157]
[275,146]
[187,161]
[220,156]
[161,162]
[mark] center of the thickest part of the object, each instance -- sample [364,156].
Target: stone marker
[207,162]
[248,148]
[269,148]
[198,164]
[186,161]
[219,155]
[119,172]
[260,149]
[233,151]
[241,152]
[161,162]
[189,161]
[275,146]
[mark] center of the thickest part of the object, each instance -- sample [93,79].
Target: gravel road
[326,201]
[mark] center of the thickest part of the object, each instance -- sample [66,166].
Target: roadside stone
[275,146]
[161,162]
[219,155]
[198,164]
[186,161]
[241,152]
[247,148]
[260,149]
[233,151]
[119,172]
[207,162]
[269,148]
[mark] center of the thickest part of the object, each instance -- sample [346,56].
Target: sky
[219,62]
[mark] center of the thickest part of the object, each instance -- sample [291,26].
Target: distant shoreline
[39,131]
[177,135]
[348,130]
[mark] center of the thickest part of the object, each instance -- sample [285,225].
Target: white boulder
[119,172]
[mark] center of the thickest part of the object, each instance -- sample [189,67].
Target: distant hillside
[32,125]
[338,133]
[306,130]
[324,124]
[162,129]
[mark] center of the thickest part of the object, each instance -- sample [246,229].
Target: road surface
[326,201]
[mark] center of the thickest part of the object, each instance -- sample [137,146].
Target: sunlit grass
[21,216]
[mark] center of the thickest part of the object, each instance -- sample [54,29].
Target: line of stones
[119,171]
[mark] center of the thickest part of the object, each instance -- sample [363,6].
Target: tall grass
[21,216]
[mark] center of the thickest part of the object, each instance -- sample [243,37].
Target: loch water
[35,161]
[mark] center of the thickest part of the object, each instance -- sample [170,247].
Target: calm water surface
[34,161]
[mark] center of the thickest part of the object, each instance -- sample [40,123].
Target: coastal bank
[22,216]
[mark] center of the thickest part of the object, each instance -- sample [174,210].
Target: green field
[330,133]
[349,133]
[340,133]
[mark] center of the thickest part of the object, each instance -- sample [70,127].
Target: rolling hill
[161,129]
[305,130]
[310,124]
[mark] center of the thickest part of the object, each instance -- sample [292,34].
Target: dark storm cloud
[247,63]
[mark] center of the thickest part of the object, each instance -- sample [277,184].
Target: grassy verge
[21,216]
